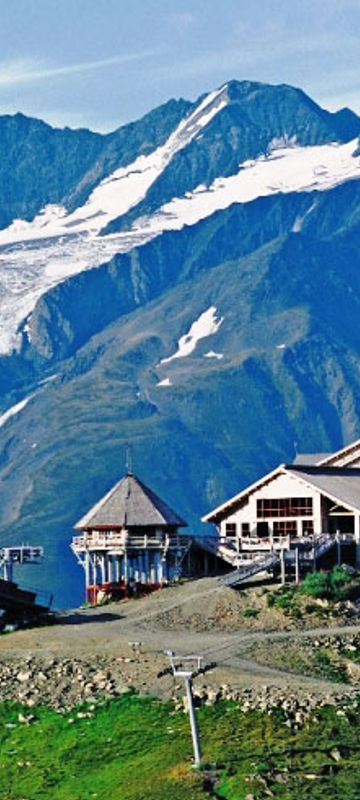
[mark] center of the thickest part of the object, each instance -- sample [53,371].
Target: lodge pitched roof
[130,504]
[341,484]
[310,459]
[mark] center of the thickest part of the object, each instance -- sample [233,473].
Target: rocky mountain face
[188,284]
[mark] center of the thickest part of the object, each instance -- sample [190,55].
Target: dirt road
[163,621]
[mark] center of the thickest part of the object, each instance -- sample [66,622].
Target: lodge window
[285,527]
[262,529]
[307,527]
[230,529]
[245,528]
[285,507]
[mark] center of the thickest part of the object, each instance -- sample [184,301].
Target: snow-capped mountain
[189,283]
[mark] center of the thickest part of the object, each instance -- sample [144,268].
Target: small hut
[129,542]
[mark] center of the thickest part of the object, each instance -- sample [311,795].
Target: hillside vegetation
[136,748]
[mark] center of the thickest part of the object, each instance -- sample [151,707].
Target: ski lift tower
[186,667]
[19,554]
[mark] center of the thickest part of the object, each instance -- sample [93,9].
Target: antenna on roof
[128,459]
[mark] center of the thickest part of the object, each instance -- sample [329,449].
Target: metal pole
[338,548]
[282,565]
[193,723]
[297,570]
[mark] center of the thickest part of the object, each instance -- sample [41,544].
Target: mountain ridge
[98,362]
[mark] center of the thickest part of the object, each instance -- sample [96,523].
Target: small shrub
[336,672]
[251,612]
[295,613]
[335,585]
[316,584]
[284,602]
[282,598]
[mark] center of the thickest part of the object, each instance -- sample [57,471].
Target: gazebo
[129,542]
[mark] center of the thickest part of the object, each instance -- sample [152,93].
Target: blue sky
[101,63]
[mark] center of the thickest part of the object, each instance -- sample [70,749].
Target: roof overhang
[225,508]
[349,450]
[229,506]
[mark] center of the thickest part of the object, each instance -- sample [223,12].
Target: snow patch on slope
[164,382]
[37,255]
[14,410]
[122,190]
[289,169]
[207,324]
[212,354]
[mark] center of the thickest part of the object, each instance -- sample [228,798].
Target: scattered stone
[23,676]
[335,754]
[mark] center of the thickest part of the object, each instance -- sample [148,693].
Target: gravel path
[105,633]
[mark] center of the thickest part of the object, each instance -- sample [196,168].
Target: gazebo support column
[146,566]
[160,570]
[103,567]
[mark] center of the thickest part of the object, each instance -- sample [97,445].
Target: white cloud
[24,71]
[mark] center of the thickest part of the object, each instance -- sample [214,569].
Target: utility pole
[186,667]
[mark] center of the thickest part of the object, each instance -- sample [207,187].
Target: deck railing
[248,549]
[121,540]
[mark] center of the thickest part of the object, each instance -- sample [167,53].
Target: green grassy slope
[136,748]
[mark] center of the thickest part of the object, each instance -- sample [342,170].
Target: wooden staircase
[227,552]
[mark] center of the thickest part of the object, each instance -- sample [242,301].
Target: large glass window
[285,507]
[285,527]
[307,527]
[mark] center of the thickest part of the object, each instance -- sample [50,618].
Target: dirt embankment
[90,654]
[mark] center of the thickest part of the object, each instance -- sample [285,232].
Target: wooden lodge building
[290,520]
[129,542]
[292,517]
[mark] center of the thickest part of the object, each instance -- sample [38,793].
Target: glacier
[37,255]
